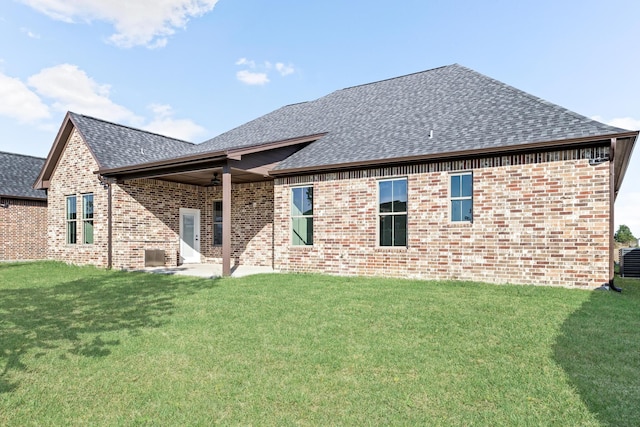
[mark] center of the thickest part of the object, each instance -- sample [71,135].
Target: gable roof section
[393,119]
[17,174]
[115,145]
[112,145]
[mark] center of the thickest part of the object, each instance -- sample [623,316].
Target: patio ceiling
[249,164]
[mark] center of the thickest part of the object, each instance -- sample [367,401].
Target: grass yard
[82,346]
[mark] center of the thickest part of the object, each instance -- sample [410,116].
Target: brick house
[23,210]
[444,174]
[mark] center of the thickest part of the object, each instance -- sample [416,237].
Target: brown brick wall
[23,230]
[74,176]
[145,215]
[543,223]
[251,224]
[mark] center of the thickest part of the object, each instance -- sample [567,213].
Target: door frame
[197,257]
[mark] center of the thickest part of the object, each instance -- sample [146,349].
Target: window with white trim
[87,219]
[392,212]
[302,216]
[461,194]
[217,223]
[71,216]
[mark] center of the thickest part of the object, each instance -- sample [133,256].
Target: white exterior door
[189,235]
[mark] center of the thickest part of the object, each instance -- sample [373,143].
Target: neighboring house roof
[17,175]
[394,118]
[116,145]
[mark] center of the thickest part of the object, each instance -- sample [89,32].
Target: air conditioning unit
[630,262]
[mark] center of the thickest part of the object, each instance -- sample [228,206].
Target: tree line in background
[625,236]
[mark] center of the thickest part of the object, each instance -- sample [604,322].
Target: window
[302,216]
[217,223]
[87,219]
[71,217]
[461,197]
[392,212]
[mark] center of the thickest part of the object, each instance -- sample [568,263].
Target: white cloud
[19,102]
[621,122]
[245,61]
[30,33]
[71,89]
[261,76]
[164,124]
[627,209]
[284,70]
[139,22]
[251,78]
[65,88]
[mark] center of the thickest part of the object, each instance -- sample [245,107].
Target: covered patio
[222,169]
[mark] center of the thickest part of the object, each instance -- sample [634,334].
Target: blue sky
[196,68]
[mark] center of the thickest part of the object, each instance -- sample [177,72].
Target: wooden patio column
[226,221]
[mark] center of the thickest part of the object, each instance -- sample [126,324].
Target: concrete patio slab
[210,271]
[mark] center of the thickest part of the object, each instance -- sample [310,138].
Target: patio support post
[226,221]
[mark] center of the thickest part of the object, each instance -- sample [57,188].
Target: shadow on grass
[599,350]
[70,316]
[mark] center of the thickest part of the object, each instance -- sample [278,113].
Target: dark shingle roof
[17,175]
[116,145]
[383,120]
[393,118]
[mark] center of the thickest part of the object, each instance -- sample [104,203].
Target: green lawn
[82,346]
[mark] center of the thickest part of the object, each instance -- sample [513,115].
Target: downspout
[612,198]
[109,229]
[106,183]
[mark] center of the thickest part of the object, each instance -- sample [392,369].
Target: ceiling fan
[215,181]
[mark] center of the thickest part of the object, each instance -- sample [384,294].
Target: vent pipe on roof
[431,134]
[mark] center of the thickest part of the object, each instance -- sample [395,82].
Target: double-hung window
[217,223]
[71,218]
[392,212]
[302,216]
[461,192]
[87,219]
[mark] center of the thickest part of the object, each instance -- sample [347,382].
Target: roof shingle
[393,118]
[377,121]
[17,175]
[116,145]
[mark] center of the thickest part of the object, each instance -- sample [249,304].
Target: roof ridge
[399,77]
[130,127]
[23,155]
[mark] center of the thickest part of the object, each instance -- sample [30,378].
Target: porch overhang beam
[159,171]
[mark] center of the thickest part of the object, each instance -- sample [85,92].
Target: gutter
[452,155]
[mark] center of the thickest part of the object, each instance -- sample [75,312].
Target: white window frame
[70,222]
[379,215]
[294,217]
[459,198]
[87,220]
[214,223]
